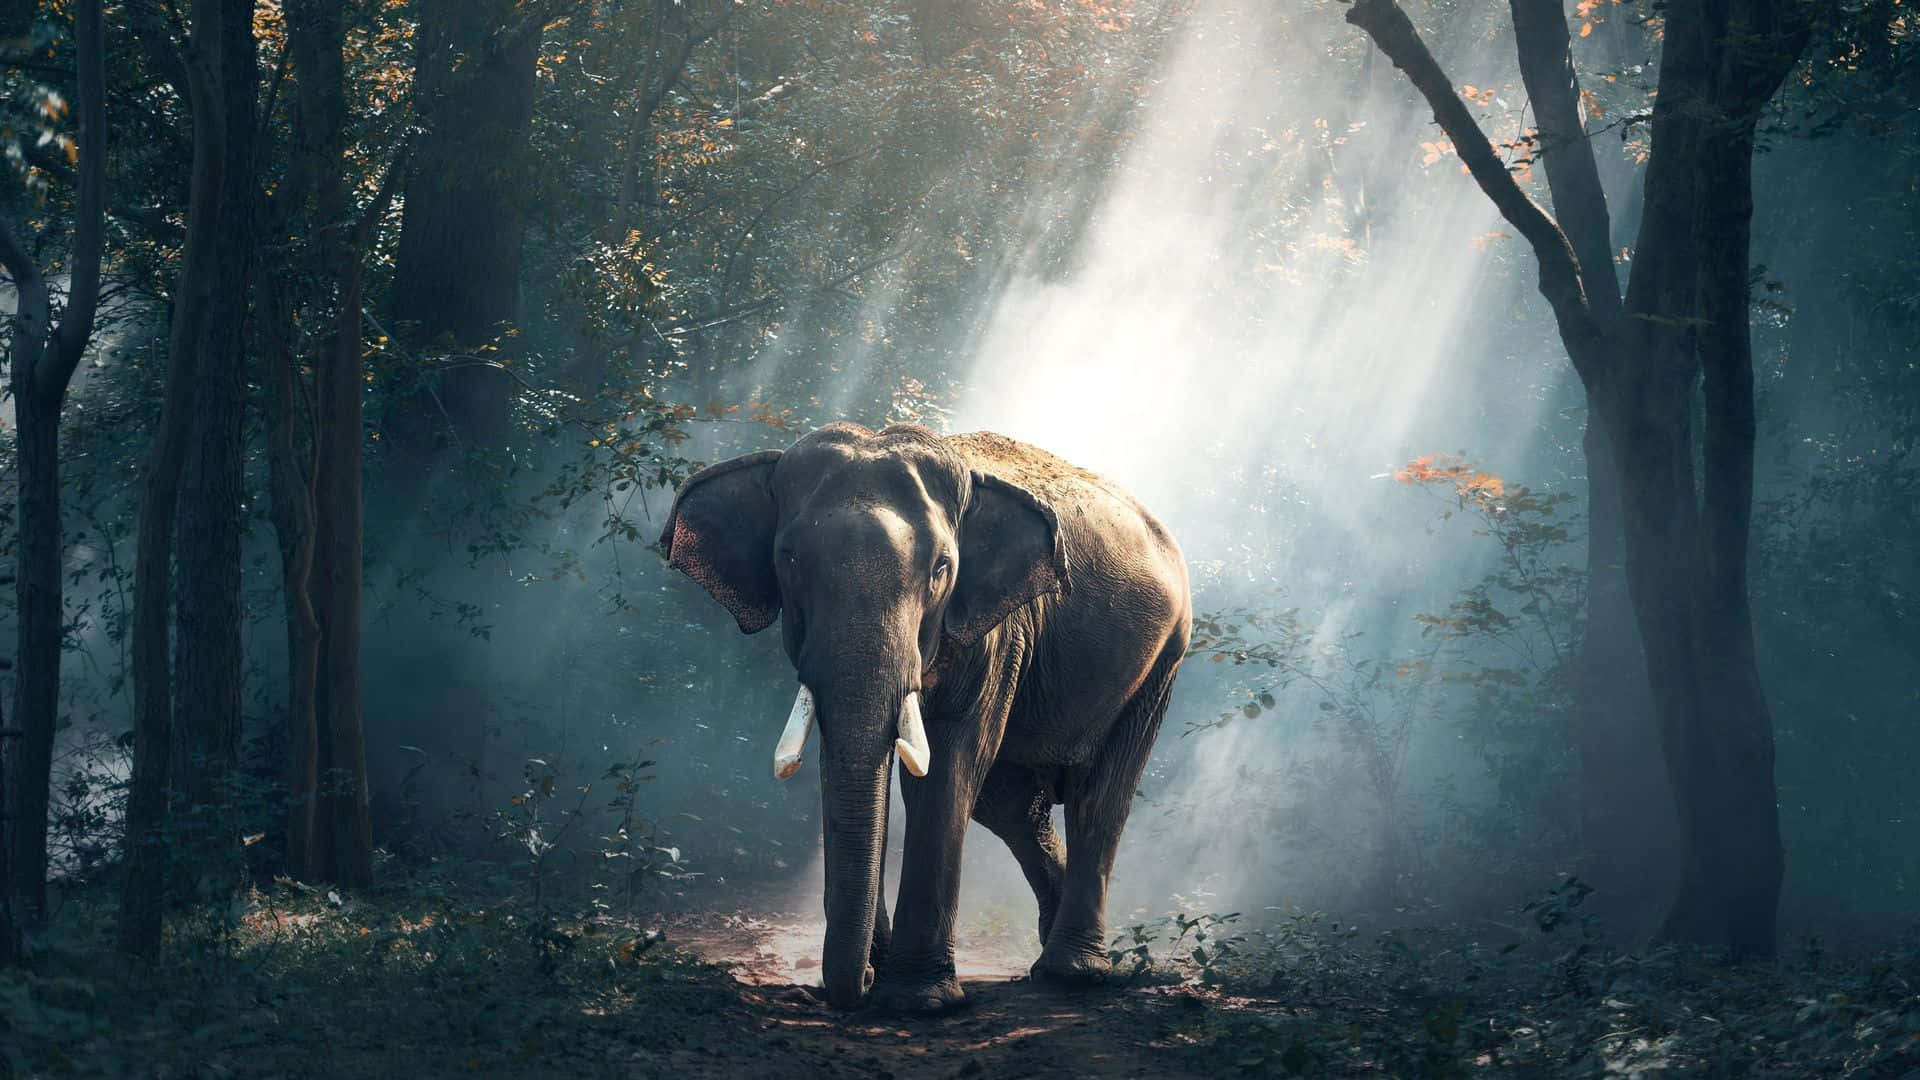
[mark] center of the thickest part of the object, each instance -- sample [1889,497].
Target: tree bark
[318,499]
[43,363]
[140,914]
[343,803]
[207,662]
[290,484]
[1686,311]
[7,937]
[1626,807]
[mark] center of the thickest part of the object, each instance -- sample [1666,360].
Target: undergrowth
[424,976]
[413,978]
[1310,997]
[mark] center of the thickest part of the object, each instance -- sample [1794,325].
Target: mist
[1219,252]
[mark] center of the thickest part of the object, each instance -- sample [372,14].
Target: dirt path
[777,1025]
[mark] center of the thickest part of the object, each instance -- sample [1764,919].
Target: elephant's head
[874,551]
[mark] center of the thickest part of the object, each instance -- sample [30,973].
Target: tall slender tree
[1683,322]
[44,357]
[316,481]
[199,69]
[207,661]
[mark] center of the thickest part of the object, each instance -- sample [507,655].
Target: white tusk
[786,755]
[912,743]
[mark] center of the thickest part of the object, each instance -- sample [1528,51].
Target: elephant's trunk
[854,801]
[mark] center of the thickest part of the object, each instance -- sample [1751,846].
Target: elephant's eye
[941,566]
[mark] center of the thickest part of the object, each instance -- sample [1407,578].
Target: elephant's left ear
[1011,551]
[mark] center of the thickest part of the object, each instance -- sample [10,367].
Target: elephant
[1007,624]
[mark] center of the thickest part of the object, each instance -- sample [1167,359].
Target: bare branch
[1546,66]
[1394,33]
[89,230]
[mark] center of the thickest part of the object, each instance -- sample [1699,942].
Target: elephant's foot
[928,996]
[1071,967]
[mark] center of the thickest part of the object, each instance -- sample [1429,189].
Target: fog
[1279,293]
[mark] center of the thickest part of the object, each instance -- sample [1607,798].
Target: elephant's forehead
[910,480]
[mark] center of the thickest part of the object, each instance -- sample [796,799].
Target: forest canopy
[1532,388]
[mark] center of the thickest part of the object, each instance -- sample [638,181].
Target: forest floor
[421,978]
[1010,1026]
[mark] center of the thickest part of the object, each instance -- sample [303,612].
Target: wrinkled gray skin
[1040,610]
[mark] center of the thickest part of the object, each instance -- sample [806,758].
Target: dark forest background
[357,346]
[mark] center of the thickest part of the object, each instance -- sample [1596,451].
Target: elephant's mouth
[910,736]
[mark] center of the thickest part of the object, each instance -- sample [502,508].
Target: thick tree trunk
[207,664]
[43,361]
[317,498]
[1626,809]
[457,272]
[1627,818]
[1734,876]
[139,930]
[1686,312]
[314,30]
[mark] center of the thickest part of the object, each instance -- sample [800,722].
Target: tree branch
[1579,202]
[32,312]
[746,234]
[382,199]
[89,231]
[151,218]
[780,300]
[671,71]
[1394,33]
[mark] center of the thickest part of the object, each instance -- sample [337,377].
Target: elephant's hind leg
[1016,805]
[1098,796]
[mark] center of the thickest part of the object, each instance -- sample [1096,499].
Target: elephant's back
[1115,545]
[1066,487]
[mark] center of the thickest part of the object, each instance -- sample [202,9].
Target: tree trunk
[1626,816]
[1686,312]
[207,664]
[139,930]
[1734,874]
[7,945]
[343,805]
[43,361]
[37,674]
[317,497]
[290,479]
[456,280]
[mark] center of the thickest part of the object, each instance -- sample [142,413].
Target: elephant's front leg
[919,974]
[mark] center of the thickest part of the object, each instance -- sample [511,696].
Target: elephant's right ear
[720,534]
